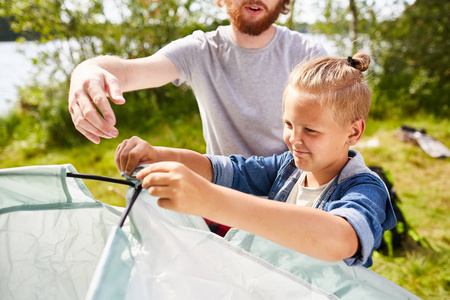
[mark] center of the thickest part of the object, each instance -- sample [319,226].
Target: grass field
[421,183]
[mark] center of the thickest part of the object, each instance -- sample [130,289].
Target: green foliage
[6,34]
[74,31]
[53,19]
[414,58]
[336,25]
[410,73]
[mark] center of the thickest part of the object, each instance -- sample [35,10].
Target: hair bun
[361,61]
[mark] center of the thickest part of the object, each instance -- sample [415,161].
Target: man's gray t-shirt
[239,91]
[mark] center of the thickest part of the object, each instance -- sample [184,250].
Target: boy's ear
[356,131]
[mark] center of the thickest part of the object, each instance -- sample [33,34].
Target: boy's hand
[178,187]
[134,152]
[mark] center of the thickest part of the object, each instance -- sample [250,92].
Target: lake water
[14,71]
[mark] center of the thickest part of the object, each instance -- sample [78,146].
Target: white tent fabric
[54,234]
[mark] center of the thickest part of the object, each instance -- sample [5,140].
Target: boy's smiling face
[317,142]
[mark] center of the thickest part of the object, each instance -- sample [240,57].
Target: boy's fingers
[156,178]
[118,156]
[160,167]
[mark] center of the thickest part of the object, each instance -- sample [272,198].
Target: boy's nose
[296,137]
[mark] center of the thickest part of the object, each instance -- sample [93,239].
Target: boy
[336,207]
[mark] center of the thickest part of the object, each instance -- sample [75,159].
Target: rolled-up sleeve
[254,175]
[364,233]
[368,209]
[223,170]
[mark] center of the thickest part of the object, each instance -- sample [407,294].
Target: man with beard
[237,73]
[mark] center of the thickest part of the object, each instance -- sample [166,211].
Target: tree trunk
[290,20]
[353,26]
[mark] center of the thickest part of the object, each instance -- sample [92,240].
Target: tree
[409,50]
[347,23]
[6,34]
[412,51]
[77,30]
[354,25]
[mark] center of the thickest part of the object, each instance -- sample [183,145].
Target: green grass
[98,159]
[420,181]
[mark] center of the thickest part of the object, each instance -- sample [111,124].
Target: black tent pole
[113,180]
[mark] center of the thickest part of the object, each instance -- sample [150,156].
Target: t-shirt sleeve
[184,53]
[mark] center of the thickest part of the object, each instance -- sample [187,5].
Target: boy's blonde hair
[335,82]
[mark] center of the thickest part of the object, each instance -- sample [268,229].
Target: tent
[58,242]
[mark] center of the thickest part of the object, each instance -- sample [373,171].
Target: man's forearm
[113,65]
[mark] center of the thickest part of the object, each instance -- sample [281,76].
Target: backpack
[395,237]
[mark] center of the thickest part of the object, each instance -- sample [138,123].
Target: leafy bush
[414,75]
[76,31]
[408,43]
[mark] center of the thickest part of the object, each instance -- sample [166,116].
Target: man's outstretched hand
[89,107]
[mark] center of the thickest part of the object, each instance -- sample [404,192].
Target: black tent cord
[113,180]
[100,178]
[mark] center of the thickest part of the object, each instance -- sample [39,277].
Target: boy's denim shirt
[356,194]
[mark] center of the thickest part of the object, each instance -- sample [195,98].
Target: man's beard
[253,28]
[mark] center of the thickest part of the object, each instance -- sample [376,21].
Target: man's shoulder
[220,32]
[288,33]
[198,41]
[294,41]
